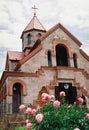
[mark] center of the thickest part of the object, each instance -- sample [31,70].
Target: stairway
[10,121]
[82,82]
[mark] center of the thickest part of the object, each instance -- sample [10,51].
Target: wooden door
[16,98]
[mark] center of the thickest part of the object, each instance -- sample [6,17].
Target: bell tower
[31,33]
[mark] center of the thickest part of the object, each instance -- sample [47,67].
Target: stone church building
[50,61]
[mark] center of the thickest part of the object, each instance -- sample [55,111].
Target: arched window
[22,40]
[38,35]
[62,57]
[49,58]
[75,60]
[29,38]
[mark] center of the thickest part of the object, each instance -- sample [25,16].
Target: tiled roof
[14,55]
[34,24]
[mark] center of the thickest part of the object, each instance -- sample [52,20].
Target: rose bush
[57,115]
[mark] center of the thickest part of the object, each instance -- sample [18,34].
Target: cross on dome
[34,7]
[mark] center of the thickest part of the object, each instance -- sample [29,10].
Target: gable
[50,31]
[13,56]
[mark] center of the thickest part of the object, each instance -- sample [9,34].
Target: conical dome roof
[34,24]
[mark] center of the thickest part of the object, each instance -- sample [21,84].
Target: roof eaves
[84,54]
[49,32]
[70,34]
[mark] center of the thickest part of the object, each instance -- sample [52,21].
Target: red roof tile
[34,24]
[14,55]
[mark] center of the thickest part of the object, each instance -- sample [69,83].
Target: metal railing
[9,108]
[6,108]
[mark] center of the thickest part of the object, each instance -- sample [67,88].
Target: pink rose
[29,110]
[56,104]
[76,129]
[22,107]
[62,94]
[44,100]
[39,117]
[52,98]
[27,121]
[87,115]
[28,125]
[33,112]
[45,97]
[80,100]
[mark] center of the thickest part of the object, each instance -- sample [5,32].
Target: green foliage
[21,128]
[66,117]
[58,115]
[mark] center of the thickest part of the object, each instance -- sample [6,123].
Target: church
[50,61]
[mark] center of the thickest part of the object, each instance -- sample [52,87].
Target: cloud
[3,52]
[75,13]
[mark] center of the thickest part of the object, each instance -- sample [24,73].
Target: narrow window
[49,58]
[29,38]
[75,61]
[22,40]
[38,35]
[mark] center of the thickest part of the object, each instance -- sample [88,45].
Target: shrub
[21,128]
[58,115]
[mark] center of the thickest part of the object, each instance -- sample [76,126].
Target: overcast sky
[16,14]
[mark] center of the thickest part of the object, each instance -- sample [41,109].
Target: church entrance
[16,100]
[61,56]
[70,91]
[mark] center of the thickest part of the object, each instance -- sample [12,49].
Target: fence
[11,121]
[5,108]
[8,108]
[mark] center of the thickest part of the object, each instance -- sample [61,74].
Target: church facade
[51,61]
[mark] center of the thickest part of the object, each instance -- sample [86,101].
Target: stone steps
[10,121]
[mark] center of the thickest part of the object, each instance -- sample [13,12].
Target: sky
[16,14]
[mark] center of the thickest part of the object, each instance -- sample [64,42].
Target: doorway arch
[16,98]
[43,90]
[62,57]
[23,85]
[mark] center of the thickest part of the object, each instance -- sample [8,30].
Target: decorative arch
[64,43]
[43,90]
[23,85]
